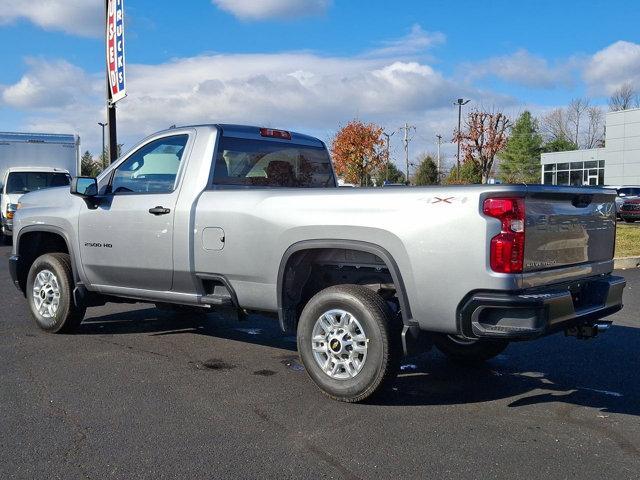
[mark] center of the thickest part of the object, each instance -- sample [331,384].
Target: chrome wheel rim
[46,294]
[339,344]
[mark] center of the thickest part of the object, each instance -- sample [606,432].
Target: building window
[574,173]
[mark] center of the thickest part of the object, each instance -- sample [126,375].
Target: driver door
[127,241]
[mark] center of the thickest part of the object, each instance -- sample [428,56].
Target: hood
[11,198]
[55,196]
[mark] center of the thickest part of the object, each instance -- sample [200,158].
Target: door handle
[159,211]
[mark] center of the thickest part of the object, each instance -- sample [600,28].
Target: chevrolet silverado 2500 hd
[226,215]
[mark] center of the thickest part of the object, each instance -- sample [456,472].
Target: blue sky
[311,65]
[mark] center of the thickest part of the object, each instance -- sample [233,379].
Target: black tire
[469,351]
[629,220]
[67,316]
[7,239]
[383,347]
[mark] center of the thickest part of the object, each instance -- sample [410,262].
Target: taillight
[270,132]
[507,248]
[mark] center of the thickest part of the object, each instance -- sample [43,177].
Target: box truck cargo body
[33,161]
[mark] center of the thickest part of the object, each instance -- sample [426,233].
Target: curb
[626,262]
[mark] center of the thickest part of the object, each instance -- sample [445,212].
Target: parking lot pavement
[138,393]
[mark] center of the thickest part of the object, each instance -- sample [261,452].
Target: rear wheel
[469,350]
[50,294]
[349,342]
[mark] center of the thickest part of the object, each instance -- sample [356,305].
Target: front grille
[630,207]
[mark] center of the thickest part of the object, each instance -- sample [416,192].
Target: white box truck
[33,161]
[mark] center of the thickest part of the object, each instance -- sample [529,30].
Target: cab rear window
[264,163]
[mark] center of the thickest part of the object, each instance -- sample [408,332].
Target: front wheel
[468,350]
[349,342]
[50,294]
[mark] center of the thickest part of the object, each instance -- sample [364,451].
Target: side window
[151,169]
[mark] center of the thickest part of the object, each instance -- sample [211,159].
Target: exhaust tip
[602,327]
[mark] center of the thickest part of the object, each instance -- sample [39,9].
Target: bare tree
[576,109]
[555,125]
[623,97]
[594,135]
[485,135]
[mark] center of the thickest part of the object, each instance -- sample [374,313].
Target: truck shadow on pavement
[258,330]
[603,373]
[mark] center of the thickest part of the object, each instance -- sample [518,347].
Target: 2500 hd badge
[98,245]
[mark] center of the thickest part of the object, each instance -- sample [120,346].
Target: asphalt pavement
[139,393]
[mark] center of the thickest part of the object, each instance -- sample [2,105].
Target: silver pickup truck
[251,218]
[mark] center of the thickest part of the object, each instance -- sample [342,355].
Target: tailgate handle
[581,201]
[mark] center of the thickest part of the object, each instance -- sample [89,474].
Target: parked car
[630,209]
[624,191]
[252,218]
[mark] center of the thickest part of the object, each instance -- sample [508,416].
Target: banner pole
[111,108]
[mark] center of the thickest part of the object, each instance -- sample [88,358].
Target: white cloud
[78,17]
[49,85]
[613,66]
[300,91]
[523,68]
[415,42]
[266,9]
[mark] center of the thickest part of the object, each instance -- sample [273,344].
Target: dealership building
[617,163]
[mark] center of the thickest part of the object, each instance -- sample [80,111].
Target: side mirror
[85,187]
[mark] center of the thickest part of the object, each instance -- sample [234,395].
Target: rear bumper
[540,311]
[13,270]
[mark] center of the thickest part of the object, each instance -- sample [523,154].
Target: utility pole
[386,167]
[439,137]
[460,102]
[406,140]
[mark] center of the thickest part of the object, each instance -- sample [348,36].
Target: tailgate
[568,226]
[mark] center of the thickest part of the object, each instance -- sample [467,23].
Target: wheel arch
[35,240]
[287,319]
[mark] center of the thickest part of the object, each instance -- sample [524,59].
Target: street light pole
[460,102]
[103,144]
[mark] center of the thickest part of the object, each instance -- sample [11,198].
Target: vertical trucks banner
[115,50]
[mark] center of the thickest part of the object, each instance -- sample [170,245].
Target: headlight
[11,208]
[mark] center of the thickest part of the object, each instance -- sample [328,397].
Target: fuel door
[213,238]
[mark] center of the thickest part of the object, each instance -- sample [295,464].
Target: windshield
[24,182]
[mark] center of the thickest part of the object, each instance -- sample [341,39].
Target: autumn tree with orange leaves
[358,151]
[485,135]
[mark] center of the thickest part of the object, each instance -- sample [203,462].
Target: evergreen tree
[427,171]
[88,166]
[559,145]
[520,159]
[391,173]
[470,173]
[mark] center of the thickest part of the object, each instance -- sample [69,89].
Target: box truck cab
[20,180]
[33,161]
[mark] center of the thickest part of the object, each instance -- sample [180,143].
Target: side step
[219,297]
